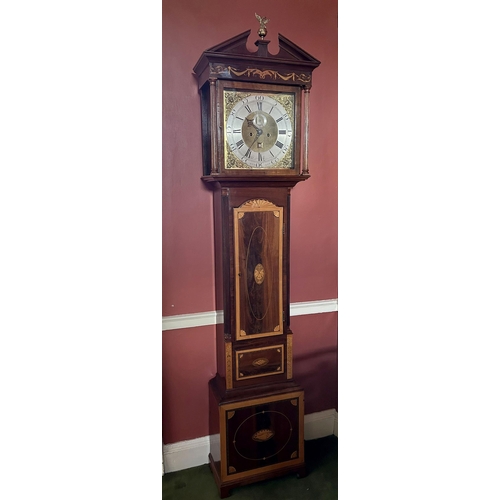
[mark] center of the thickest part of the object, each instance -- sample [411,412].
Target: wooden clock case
[256,409]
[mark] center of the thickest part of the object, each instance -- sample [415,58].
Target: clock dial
[259,130]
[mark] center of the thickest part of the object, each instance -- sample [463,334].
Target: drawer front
[260,362]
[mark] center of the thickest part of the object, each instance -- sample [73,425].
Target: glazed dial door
[259,130]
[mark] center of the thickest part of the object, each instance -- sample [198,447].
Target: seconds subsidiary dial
[259,130]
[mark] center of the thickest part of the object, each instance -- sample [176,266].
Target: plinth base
[225,487]
[255,436]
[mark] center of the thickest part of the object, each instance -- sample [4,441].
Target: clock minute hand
[251,123]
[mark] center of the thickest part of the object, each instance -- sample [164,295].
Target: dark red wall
[189,28]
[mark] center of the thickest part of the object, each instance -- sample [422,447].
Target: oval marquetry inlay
[274,435]
[258,274]
[260,362]
[263,435]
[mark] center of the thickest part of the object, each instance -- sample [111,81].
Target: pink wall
[189,28]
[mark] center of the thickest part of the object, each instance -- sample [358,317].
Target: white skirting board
[216,317]
[186,454]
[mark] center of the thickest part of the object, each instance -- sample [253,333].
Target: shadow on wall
[317,373]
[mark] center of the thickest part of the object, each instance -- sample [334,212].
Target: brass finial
[262,30]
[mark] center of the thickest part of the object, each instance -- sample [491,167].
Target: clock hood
[232,60]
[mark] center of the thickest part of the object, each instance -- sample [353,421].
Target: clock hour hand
[259,133]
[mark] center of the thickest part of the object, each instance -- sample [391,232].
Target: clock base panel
[256,433]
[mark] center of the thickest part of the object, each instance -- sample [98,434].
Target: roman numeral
[279,144]
[248,154]
[239,144]
[238,131]
[259,157]
[282,131]
[279,119]
[247,107]
[259,106]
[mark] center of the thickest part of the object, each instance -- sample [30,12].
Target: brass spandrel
[232,97]
[232,162]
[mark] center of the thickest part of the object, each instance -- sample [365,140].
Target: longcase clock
[255,123]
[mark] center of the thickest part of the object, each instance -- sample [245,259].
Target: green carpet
[321,455]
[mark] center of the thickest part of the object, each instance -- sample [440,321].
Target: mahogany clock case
[259,103]
[252,221]
[255,434]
